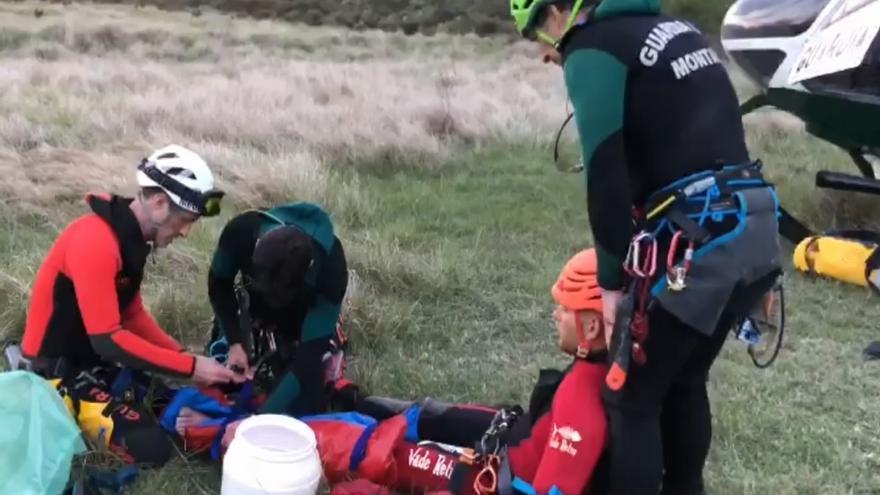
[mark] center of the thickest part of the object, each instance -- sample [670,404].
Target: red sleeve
[92,261]
[576,441]
[137,319]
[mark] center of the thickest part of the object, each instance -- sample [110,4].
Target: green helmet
[525,13]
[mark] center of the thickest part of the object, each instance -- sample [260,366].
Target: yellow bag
[847,260]
[93,417]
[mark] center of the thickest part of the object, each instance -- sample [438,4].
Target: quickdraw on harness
[490,453]
[640,265]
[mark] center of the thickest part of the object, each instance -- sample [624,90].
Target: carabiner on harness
[642,263]
[486,482]
[490,443]
[676,273]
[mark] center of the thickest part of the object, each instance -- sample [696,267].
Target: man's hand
[237,360]
[208,372]
[610,301]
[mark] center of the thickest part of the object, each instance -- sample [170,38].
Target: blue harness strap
[412,415]
[122,383]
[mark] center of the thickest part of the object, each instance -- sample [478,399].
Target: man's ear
[592,325]
[160,202]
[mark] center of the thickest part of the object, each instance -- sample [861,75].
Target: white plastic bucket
[272,455]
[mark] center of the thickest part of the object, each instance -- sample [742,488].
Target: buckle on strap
[692,229]
[701,182]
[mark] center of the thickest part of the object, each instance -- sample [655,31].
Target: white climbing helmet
[184,176]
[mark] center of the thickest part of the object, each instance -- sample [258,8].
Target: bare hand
[208,372]
[237,359]
[610,301]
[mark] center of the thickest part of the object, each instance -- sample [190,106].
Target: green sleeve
[597,82]
[320,321]
[234,249]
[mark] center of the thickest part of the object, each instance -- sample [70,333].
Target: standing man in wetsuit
[86,313]
[661,136]
[286,308]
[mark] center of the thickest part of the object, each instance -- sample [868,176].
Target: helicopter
[818,60]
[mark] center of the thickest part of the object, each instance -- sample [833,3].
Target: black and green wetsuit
[652,104]
[306,328]
[654,108]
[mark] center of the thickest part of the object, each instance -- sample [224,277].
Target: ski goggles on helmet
[206,204]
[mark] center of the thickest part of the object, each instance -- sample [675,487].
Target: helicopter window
[863,80]
[770,18]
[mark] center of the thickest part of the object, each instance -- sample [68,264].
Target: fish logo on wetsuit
[563,439]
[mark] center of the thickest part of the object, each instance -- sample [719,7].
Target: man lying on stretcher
[554,447]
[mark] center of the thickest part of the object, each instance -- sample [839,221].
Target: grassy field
[433,155]
[410,16]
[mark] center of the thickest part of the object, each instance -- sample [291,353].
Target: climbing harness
[501,422]
[490,455]
[701,268]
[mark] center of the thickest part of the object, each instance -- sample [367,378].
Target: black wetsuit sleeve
[597,82]
[233,254]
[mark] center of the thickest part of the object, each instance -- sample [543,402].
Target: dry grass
[94,78]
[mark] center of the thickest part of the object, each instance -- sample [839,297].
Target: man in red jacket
[555,448]
[86,314]
[564,444]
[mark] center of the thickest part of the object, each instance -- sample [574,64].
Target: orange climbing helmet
[577,287]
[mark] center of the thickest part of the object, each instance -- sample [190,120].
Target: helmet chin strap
[575,11]
[583,348]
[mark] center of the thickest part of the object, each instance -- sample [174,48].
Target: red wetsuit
[565,444]
[86,304]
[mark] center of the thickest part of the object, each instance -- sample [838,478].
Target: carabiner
[676,274]
[646,268]
[493,462]
[629,262]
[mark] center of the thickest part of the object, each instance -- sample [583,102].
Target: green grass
[454,267]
